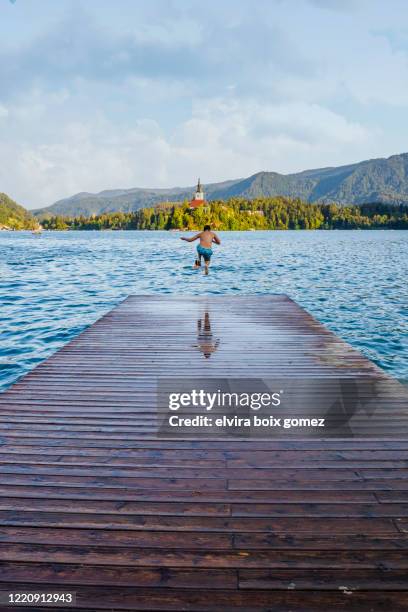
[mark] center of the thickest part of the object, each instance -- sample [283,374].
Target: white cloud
[222,139]
[154,94]
[247,137]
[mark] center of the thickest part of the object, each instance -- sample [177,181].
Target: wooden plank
[112,537]
[324,541]
[160,484]
[122,495]
[50,459]
[327,580]
[219,473]
[323,510]
[202,509]
[385,484]
[222,448]
[68,574]
[202,524]
[268,557]
[164,508]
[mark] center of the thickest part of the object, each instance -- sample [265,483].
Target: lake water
[53,285]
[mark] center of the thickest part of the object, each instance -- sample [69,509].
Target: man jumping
[204,250]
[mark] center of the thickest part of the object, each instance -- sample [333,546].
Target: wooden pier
[94,501]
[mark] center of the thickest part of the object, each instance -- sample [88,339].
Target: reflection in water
[206,343]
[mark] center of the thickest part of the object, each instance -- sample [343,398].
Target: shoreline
[180,231]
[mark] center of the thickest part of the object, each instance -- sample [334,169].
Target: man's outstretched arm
[196,237]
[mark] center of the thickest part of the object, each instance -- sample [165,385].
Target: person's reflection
[206,344]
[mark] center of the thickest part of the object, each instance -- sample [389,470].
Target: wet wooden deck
[93,501]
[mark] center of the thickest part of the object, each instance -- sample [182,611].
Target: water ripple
[53,286]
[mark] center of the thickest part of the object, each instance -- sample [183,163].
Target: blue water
[52,286]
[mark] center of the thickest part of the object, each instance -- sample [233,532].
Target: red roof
[197,203]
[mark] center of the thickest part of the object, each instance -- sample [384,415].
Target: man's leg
[207,265]
[197,263]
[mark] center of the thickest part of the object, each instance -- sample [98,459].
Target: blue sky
[98,94]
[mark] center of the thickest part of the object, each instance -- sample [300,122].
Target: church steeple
[199,194]
[198,198]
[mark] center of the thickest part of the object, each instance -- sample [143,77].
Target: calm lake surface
[54,285]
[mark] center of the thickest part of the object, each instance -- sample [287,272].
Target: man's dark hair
[207,228]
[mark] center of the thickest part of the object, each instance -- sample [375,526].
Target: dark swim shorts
[203,252]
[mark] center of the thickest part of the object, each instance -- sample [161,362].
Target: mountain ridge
[15,216]
[374,180]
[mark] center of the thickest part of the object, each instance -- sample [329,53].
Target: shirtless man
[206,237]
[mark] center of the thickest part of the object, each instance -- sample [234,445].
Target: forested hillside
[14,216]
[240,214]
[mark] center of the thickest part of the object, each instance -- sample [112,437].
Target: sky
[105,94]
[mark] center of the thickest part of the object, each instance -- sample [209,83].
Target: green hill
[270,213]
[375,180]
[14,216]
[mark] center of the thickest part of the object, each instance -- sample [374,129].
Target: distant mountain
[375,180]
[125,200]
[14,216]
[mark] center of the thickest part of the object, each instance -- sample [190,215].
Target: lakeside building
[198,199]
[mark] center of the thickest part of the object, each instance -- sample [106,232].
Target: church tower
[199,194]
[198,199]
